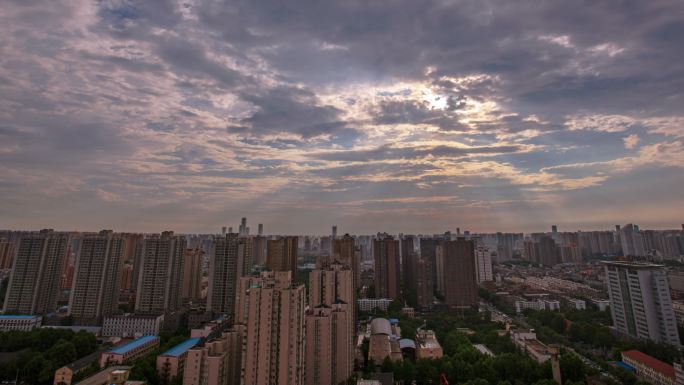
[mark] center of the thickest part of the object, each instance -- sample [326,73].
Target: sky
[394,115]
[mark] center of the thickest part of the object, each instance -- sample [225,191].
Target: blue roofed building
[129,351]
[23,323]
[170,363]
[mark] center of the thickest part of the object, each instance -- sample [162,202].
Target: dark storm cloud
[292,110]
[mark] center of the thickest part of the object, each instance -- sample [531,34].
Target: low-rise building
[130,351]
[526,340]
[24,323]
[483,349]
[540,304]
[427,345]
[650,369]
[577,304]
[113,375]
[170,363]
[601,304]
[368,304]
[65,374]
[131,325]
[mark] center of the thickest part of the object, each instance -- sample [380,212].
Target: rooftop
[633,264]
[123,349]
[10,316]
[182,347]
[652,362]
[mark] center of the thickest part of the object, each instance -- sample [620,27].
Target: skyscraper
[387,268]
[95,290]
[484,265]
[640,301]
[409,260]
[458,272]
[329,344]
[428,250]
[230,259]
[192,275]
[161,276]
[272,308]
[424,284]
[36,272]
[261,229]
[343,250]
[281,254]
[330,325]
[6,254]
[632,241]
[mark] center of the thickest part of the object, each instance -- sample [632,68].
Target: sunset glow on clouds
[376,116]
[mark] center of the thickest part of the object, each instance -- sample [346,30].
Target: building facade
[36,272]
[640,301]
[387,267]
[97,277]
[271,308]
[458,273]
[161,277]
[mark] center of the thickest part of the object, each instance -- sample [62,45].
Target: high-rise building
[458,273]
[216,361]
[409,260]
[484,265]
[640,301]
[6,254]
[281,254]
[428,250]
[161,276]
[329,344]
[387,268]
[632,241]
[259,250]
[261,229]
[133,255]
[36,272]
[271,307]
[243,229]
[127,277]
[343,251]
[95,290]
[229,261]
[192,275]
[330,325]
[424,284]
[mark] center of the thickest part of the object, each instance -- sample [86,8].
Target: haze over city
[402,116]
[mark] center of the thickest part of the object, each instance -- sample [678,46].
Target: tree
[572,368]
[61,353]
[85,343]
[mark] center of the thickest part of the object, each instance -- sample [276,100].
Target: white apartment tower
[483,261]
[640,301]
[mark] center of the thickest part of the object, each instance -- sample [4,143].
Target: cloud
[131,113]
[631,141]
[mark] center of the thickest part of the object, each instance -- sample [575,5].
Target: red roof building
[649,368]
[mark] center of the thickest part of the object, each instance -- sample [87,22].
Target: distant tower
[261,229]
[617,228]
[554,229]
[230,230]
[243,226]
[223,231]
[458,231]
[555,364]
[334,232]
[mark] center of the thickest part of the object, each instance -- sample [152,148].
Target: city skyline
[375,117]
